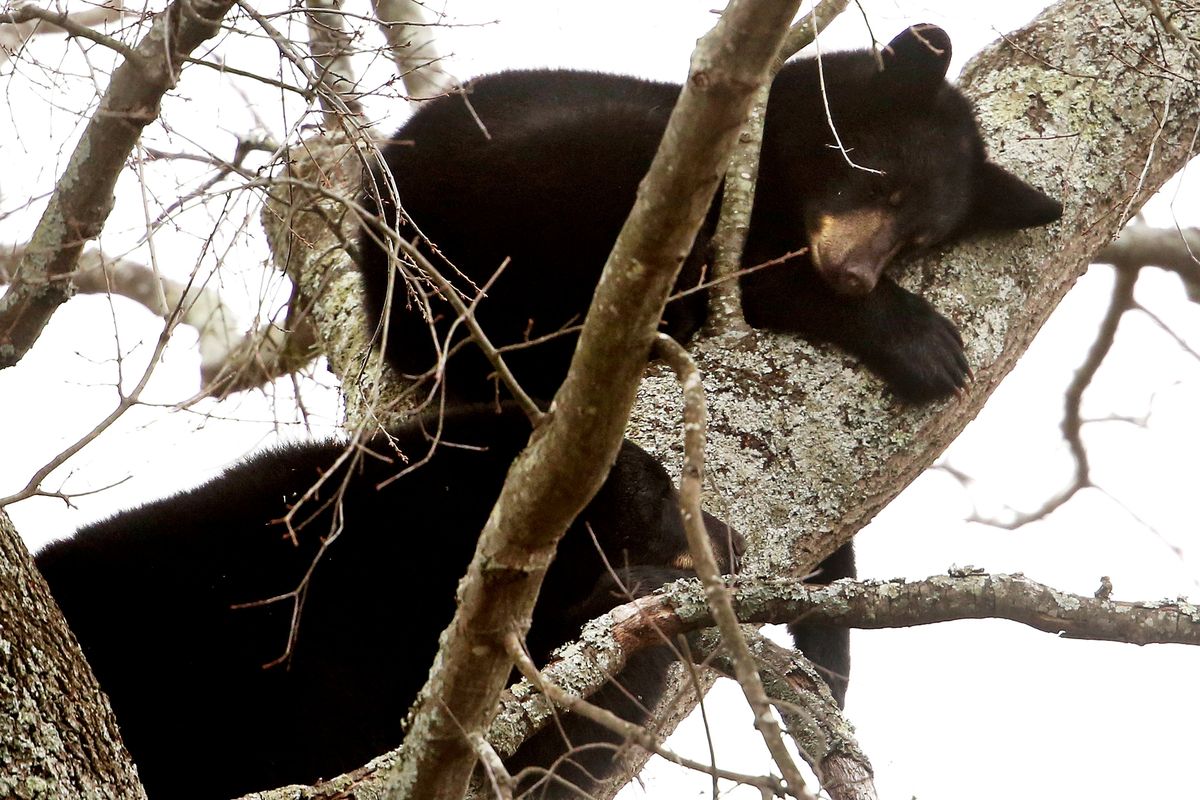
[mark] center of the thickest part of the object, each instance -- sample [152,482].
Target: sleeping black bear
[536,171]
[152,595]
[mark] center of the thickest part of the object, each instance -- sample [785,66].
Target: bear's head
[898,164]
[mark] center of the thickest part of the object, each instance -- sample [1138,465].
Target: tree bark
[1092,102]
[806,447]
[58,736]
[82,196]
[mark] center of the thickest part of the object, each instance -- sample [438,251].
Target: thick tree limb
[805,446]
[82,198]
[568,457]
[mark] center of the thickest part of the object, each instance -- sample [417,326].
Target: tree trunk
[58,737]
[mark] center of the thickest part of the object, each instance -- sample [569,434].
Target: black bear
[535,172]
[153,597]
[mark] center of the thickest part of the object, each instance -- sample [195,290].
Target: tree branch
[705,562]
[331,46]
[812,716]
[82,198]
[568,457]
[1170,249]
[737,197]
[408,28]
[804,448]
[27,20]
[607,642]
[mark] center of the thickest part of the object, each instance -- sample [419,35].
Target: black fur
[149,594]
[828,647]
[541,167]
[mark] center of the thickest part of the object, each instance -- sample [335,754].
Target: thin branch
[499,781]
[634,733]
[808,709]
[737,199]
[565,463]
[78,24]
[82,198]
[705,563]
[1120,302]
[124,403]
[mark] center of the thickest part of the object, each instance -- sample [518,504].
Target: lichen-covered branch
[83,196]
[962,594]
[804,446]
[568,456]
[811,715]
[741,661]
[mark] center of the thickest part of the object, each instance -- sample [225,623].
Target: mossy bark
[58,736]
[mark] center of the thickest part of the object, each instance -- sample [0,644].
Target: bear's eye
[922,239]
[895,198]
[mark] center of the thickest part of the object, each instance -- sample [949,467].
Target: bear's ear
[915,62]
[1005,202]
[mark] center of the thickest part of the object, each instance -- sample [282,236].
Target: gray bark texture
[58,736]
[1094,102]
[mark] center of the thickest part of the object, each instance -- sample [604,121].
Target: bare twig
[808,709]
[82,198]
[124,403]
[628,730]
[705,563]
[27,19]
[499,781]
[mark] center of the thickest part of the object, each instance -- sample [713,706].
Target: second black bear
[539,169]
[151,594]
